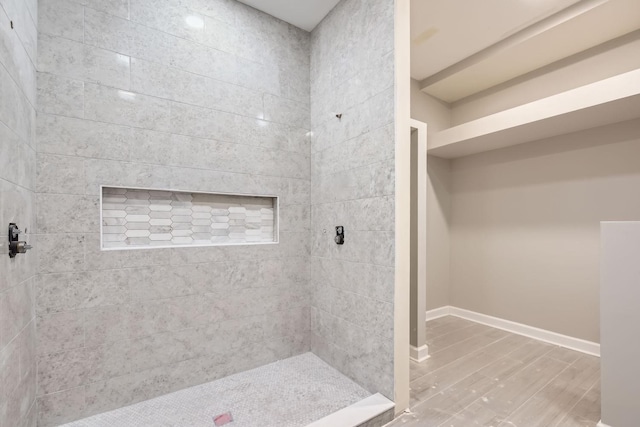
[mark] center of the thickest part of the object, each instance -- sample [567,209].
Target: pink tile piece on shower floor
[222,419]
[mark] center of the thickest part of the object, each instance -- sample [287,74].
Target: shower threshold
[295,392]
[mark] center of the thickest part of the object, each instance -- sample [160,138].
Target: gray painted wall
[352,184]
[619,317]
[526,226]
[130,95]
[17,184]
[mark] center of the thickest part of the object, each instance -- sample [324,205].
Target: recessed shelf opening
[136,218]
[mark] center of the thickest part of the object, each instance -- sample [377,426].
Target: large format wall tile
[62,18]
[60,95]
[18,98]
[352,184]
[138,94]
[79,61]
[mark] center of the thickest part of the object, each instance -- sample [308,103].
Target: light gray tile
[203,122]
[16,61]
[587,410]
[108,172]
[32,6]
[60,95]
[60,331]
[474,414]
[73,291]
[83,138]
[60,252]
[60,174]
[161,148]
[168,82]
[113,7]
[173,18]
[282,110]
[59,213]
[273,135]
[126,37]
[106,325]
[160,282]
[24,24]
[57,408]
[531,351]
[269,78]
[443,341]
[62,371]
[15,110]
[17,310]
[515,391]
[9,364]
[452,353]
[82,62]
[372,114]
[62,18]
[162,349]
[295,218]
[278,272]
[203,60]
[564,391]
[365,182]
[453,400]
[126,108]
[97,259]
[221,35]
[369,314]
[369,148]
[21,172]
[223,10]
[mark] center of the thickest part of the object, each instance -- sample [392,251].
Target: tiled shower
[250,139]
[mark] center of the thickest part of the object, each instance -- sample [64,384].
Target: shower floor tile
[292,392]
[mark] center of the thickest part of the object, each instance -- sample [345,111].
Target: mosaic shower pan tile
[146,218]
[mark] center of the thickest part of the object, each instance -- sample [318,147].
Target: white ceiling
[305,14]
[446,32]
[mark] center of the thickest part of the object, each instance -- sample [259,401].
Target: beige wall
[525,226]
[513,233]
[609,59]
[437,115]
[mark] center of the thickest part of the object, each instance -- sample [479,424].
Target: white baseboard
[601,424]
[356,414]
[419,354]
[572,343]
[437,313]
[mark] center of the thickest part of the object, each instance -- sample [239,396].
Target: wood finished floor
[481,376]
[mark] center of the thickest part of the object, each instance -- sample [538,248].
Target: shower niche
[140,218]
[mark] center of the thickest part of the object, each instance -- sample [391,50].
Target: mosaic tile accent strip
[146,218]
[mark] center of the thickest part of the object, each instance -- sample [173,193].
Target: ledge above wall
[607,101]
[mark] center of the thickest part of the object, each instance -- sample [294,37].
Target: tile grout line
[157,62]
[128,126]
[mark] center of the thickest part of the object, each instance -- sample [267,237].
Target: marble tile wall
[352,184]
[17,199]
[195,95]
[134,218]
